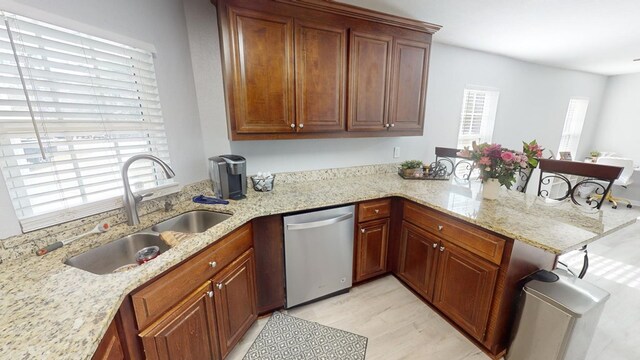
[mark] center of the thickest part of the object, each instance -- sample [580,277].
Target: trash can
[557,317]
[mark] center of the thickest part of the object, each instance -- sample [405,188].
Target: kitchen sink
[117,254]
[191,222]
[121,254]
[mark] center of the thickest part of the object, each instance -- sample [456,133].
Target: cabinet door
[185,332]
[417,257]
[369,71]
[408,85]
[110,348]
[371,249]
[464,288]
[321,62]
[262,56]
[235,301]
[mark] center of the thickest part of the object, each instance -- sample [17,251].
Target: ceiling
[598,36]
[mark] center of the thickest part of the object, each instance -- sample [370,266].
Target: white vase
[490,188]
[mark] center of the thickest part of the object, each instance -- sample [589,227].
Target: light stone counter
[53,311]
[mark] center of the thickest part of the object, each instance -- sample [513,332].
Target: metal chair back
[599,177]
[450,163]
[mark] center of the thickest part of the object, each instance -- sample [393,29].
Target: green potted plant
[595,154]
[412,168]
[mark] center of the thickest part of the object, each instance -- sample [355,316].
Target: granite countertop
[53,311]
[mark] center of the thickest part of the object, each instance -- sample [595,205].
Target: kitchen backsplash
[324,174]
[26,244]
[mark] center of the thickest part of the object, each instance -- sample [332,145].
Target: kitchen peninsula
[50,310]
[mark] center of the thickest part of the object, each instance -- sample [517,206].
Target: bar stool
[599,178]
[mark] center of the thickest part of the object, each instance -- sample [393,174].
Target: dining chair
[448,162]
[595,177]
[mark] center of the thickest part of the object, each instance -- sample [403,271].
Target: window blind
[477,117]
[73,109]
[573,123]
[473,110]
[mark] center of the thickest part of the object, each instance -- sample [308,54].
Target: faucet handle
[142,196]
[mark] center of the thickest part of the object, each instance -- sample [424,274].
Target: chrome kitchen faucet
[129,199]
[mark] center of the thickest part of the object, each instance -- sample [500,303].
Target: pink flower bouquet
[497,162]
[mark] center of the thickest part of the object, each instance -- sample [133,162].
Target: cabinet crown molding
[365,14]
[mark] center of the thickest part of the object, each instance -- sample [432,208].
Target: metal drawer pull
[210,293]
[219,286]
[441,248]
[213,264]
[301,126]
[376,211]
[435,245]
[315,224]
[293,126]
[440,227]
[362,231]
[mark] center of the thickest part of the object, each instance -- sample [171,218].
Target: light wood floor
[400,326]
[614,265]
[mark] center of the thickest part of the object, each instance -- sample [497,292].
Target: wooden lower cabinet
[464,288]
[208,323]
[371,249]
[188,331]
[417,259]
[456,281]
[110,348]
[235,301]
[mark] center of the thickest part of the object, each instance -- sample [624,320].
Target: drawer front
[373,210]
[468,237]
[155,299]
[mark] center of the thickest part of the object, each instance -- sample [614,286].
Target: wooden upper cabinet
[321,66]
[408,85]
[263,71]
[369,72]
[186,332]
[464,288]
[302,69]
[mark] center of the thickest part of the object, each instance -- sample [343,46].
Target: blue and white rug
[286,337]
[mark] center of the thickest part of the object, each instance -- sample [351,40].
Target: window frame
[86,208]
[489,115]
[573,143]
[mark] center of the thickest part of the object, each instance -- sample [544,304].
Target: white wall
[533,104]
[619,126]
[157,22]
[533,98]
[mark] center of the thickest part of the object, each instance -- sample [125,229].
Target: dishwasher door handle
[321,223]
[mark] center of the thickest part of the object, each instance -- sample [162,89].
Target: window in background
[478,116]
[73,109]
[573,124]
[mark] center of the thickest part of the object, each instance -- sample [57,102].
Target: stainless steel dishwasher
[318,249]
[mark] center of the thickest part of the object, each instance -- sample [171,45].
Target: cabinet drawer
[156,298]
[479,242]
[372,210]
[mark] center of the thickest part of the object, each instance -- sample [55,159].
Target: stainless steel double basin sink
[121,254]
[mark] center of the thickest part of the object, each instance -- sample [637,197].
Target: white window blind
[478,116]
[73,109]
[573,124]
